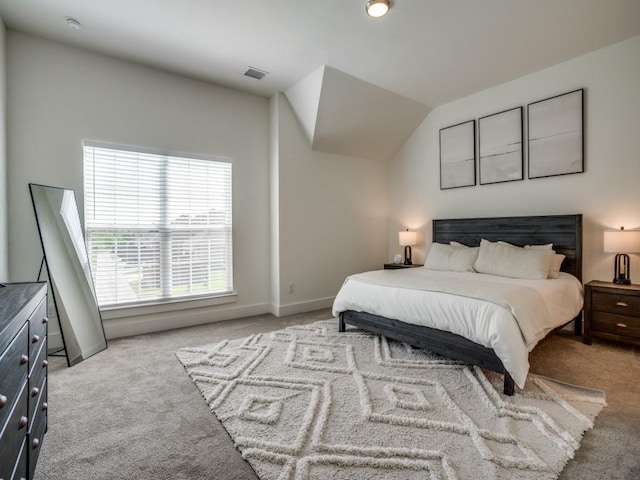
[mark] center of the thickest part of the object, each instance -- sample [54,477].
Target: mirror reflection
[69,272]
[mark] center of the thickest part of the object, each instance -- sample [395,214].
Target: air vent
[255,73]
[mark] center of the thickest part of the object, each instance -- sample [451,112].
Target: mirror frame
[63,303]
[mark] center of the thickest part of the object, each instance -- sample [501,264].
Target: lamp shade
[622,241]
[407,238]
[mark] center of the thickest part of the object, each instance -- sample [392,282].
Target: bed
[563,231]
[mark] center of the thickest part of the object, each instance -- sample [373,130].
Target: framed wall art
[458,155]
[556,135]
[500,145]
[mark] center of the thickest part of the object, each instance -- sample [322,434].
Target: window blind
[158,227]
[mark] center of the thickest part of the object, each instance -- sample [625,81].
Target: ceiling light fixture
[378,8]
[73,23]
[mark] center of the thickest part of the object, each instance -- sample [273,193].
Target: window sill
[109,313]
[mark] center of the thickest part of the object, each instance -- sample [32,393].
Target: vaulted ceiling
[431,51]
[358,85]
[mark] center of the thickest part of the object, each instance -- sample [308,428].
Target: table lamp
[622,242]
[406,239]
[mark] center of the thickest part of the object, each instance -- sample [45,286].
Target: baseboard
[301,307]
[137,325]
[141,324]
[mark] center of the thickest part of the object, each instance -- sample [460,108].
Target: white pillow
[451,259]
[506,261]
[556,258]
[548,246]
[534,247]
[554,266]
[453,243]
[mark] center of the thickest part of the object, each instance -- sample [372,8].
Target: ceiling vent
[255,73]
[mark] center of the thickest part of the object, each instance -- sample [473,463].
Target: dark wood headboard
[564,231]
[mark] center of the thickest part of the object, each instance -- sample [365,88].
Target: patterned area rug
[309,402]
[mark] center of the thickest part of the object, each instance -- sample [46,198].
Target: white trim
[156,151]
[140,324]
[120,326]
[301,307]
[127,311]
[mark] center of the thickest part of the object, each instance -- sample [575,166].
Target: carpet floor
[309,402]
[131,412]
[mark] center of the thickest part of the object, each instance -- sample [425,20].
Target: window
[158,227]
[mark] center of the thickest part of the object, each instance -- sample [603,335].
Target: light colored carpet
[309,402]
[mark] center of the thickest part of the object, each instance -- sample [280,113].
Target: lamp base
[407,255]
[621,270]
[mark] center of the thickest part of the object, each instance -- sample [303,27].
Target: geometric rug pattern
[309,402]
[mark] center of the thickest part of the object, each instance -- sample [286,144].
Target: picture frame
[458,155]
[556,135]
[500,157]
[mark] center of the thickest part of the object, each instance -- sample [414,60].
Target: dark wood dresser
[23,377]
[612,311]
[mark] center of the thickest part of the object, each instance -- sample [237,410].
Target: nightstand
[611,311]
[398,266]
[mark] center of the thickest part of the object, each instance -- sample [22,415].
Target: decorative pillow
[453,243]
[556,259]
[548,246]
[533,247]
[450,258]
[554,266]
[506,261]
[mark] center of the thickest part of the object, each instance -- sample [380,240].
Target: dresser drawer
[37,331]
[36,435]
[20,471]
[13,435]
[13,372]
[616,303]
[36,383]
[616,324]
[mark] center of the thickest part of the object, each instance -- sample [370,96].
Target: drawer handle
[45,363]
[35,339]
[622,304]
[45,405]
[621,325]
[23,359]
[36,443]
[3,401]
[23,422]
[45,320]
[35,391]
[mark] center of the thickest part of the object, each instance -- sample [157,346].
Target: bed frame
[564,231]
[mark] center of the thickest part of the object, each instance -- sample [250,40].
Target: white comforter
[508,315]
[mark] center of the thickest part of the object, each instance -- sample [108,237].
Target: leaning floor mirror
[67,263]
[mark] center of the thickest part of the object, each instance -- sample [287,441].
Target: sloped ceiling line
[345,115]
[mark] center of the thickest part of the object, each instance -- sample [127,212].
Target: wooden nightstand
[611,311]
[398,266]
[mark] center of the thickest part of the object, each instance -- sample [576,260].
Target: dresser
[23,377]
[612,311]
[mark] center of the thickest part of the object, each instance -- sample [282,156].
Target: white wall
[331,219]
[4,253]
[607,194]
[300,217]
[60,96]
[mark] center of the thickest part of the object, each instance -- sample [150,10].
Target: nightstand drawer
[616,303]
[616,324]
